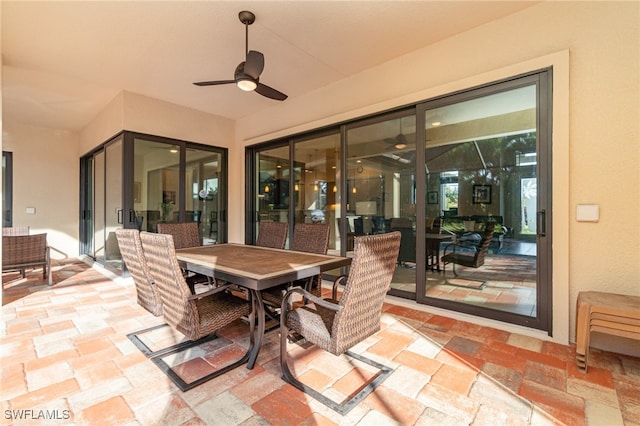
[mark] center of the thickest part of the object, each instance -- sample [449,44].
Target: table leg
[258,306]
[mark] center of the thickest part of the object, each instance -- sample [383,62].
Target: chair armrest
[336,282]
[209,292]
[309,296]
[460,244]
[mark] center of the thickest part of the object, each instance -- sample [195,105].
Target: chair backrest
[310,237]
[24,250]
[178,311]
[15,230]
[272,234]
[483,245]
[184,234]
[369,279]
[401,223]
[133,257]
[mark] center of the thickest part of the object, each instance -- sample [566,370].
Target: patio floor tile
[64,349]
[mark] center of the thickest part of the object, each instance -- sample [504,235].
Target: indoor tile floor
[64,354]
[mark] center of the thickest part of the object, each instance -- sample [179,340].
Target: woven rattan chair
[197,316]
[184,234]
[466,253]
[272,234]
[337,325]
[22,252]
[15,230]
[310,238]
[133,257]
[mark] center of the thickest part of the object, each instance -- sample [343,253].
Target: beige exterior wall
[46,175]
[593,47]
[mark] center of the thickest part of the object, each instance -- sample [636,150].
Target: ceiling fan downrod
[247,18]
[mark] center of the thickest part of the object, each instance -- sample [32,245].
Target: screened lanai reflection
[481,185]
[481,156]
[381,191]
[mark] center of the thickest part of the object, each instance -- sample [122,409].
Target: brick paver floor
[65,358]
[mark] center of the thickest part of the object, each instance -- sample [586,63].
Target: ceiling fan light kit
[247,73]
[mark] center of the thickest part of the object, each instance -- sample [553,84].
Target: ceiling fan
[247,74]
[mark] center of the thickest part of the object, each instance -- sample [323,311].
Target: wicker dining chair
[185,234]
[133,257]
[197,316]
[310,238]
[337,325]
[272,234]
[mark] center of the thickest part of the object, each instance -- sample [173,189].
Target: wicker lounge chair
[466,253]
[337,325]
[22,252]
[15,230]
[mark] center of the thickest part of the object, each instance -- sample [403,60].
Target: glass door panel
[272,183]
[317,185]
[202,189]
[481,179]
[99,225]
[156,174]
[381,190]
[113,211]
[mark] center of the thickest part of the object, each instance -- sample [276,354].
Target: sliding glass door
[465,179]
[486,163]
[381,187]
[137,181]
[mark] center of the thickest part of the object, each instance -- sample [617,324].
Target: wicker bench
[21,252]
[607,313]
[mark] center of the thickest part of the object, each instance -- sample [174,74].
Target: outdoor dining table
[255,269]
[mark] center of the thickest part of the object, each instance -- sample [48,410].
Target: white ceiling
[64,61]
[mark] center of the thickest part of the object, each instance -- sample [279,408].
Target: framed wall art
[481,194]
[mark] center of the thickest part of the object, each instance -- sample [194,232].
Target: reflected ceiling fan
[247,74]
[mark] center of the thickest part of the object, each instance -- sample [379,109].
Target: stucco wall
[47,161]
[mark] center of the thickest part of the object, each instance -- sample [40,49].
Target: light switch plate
[588,213]
[30,210]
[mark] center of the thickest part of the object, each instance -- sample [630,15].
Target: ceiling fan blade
[254,64]
[270,92]
[214,83]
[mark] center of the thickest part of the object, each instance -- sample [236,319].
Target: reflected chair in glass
[133,257]
[337,325]
[196,316]
[272,234]
[405,226]
[310,238]
[466,252]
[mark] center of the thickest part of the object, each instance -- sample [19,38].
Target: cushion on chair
[310,324]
